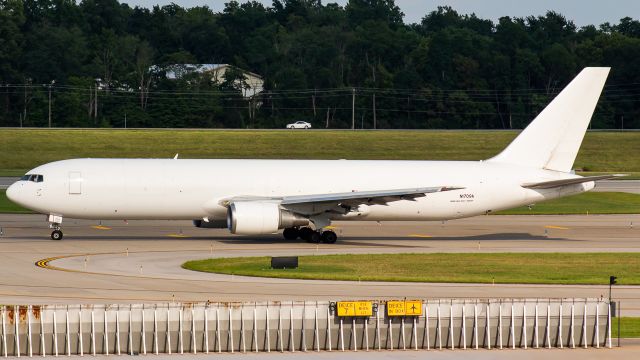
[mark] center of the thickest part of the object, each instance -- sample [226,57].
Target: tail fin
[553,138]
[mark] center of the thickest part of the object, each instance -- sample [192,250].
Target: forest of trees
[98,63]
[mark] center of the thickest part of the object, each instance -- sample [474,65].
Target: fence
[300,326]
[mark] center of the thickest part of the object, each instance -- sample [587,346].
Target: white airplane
[303,197]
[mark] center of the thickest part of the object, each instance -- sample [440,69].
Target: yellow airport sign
[404,308]
[354,308]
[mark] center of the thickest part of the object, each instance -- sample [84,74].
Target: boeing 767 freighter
[303,197]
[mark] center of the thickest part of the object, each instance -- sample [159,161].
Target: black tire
[291,233]
[56,235]
[329,237]
[305,233]
[315,237]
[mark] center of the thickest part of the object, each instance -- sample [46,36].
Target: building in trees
[225,75]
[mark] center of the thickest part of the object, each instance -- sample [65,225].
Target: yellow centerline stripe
[100,227]
[556,227]
[419,236]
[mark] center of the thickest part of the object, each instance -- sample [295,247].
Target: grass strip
[500,268]
[629,327]
[586,203]
[24,149]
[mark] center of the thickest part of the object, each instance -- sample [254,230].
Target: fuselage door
[75,182]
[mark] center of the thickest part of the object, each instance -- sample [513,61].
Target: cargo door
[75,182]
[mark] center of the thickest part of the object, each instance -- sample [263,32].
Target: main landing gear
[310,235]
[54,223]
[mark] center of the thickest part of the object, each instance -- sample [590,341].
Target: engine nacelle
[253,218]
[211,224]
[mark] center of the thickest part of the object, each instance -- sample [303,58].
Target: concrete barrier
[300,326]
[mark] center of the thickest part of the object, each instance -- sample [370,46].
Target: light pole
[50,85]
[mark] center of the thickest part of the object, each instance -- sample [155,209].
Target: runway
[116,262]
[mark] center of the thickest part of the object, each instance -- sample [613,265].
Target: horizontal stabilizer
[563,182]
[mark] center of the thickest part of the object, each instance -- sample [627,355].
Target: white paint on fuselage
[192,189]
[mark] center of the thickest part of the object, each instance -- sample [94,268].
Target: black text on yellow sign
[355,308]
[404,308]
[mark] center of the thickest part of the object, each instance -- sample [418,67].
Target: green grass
[629,175]
[23,149]
[513,268]
[7,206]
[591,202]
[629,327]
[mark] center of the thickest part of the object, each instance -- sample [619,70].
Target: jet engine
[252,218]
[211,224]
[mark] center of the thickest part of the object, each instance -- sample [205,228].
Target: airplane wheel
[291,233]
[56,235]
[305,233]
[315,237]
[329,237]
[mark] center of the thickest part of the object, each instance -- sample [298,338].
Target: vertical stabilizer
[553,138]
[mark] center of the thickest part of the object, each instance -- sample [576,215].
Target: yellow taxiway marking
[556,227]
[177,235]
[100,227]
[420,236]
[330,227]
[44,263]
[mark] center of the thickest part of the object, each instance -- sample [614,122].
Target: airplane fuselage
[194,189]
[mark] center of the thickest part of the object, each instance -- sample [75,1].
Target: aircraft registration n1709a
[303,197]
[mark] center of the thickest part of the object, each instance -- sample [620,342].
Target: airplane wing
[353,198]
[563,182]
[366,197]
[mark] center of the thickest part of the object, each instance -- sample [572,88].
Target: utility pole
[95,106]
[50,85]
[24,116]
[622,122]
[49,105]
[374,111]
[353,109]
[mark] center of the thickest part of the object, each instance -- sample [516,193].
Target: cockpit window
[32,177]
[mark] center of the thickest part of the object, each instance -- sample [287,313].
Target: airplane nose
[12,193]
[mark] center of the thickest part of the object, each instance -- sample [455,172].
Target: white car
[299,125]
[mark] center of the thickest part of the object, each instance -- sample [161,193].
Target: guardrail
[301,326]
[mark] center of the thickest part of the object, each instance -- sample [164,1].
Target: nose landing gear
[55,222]
[56,235]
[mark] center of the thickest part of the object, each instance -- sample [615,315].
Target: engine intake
[253,218]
